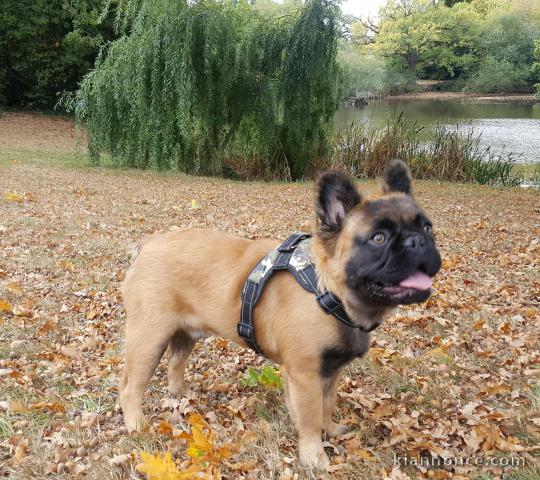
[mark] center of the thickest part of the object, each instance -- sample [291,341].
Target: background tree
[212,87]
[505,49]
[486,45]
[46,46]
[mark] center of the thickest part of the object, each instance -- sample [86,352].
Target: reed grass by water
[445,154]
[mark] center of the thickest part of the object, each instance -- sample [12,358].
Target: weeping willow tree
[204,86]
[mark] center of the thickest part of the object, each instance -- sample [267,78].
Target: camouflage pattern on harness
[300,260]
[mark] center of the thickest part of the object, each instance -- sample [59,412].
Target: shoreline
[487,97]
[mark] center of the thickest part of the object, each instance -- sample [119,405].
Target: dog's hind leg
[331,428]
[180,347]
[142,355]
[305,401]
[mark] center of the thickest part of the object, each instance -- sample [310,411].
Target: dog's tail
[136,249]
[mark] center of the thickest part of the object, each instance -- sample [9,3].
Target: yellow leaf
[157,467]
[197,419]
[479,324]
[505,328]
[201,445]
[5,306]
[45,328]
[363,454]
[496,389]
[441,351]
[20,450]
[14,287]
[51,406]
[14,197]
[21,311]
[383,410]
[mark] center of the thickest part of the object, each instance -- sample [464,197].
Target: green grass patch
[50,159]
[6,429]
[530,172]
[87,403]
[268,377]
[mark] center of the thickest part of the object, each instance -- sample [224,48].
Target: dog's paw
[176,389]
[135,423]
[314,456]
[336,429]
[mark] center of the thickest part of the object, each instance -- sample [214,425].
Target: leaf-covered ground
[456,378]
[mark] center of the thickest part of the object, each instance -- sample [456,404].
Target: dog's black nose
[414,242]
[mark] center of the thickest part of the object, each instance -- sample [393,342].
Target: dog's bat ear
[397,177]
[336,196]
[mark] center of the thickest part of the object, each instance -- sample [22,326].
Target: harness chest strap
[291,255]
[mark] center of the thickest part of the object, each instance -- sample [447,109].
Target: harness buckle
[245,331]
[328,303]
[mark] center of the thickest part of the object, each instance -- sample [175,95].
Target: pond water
[505,127]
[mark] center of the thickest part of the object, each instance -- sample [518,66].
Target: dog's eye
[378,238]
[428,228]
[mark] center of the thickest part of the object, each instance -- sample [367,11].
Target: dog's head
[374,251]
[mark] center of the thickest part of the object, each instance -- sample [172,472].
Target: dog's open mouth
[417,281]
[413,289]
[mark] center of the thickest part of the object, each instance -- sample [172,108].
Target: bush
[367,75]
[536,66]
[363,75]
[497,75]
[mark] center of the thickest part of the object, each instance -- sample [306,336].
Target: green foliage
[509,36]
[505,47]
[495,171]
[536,65]
[309,87]
[45,48]
[205,86]
[268,376]
[365,74]
[364,152]
[362,74]
[457,40]
[498,75]
[430,39]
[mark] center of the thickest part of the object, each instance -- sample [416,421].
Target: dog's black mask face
[393,262]
[391,254]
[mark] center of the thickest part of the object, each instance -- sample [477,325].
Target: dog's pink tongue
[418,280]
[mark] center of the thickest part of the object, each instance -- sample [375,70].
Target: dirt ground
[37,132]
[455,378]
[488,97]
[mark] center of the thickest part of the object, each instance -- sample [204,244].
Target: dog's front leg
[305,402]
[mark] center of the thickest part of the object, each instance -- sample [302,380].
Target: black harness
[291,255]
